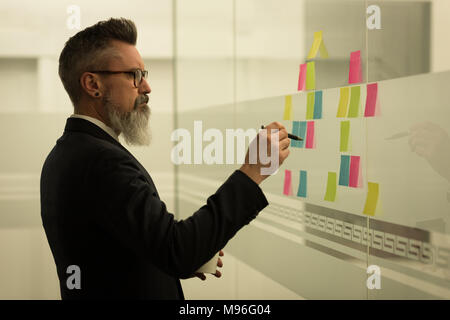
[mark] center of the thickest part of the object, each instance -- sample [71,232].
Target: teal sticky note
[301,133]
[295,128]
[318,105]
[344,173]
[302,185]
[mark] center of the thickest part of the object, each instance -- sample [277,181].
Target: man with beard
[110,234]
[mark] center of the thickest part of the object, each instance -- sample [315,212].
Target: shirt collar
[97,122]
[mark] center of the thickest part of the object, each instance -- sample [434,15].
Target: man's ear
[91,84]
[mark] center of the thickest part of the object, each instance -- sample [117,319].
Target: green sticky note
[343,102]
[310,105]
[353,109]
[310,76]
[345,134]
[287,108]
[330,194]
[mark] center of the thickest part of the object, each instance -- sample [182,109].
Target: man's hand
[276,139]
[218,274]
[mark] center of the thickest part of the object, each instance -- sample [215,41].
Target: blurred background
[224,62]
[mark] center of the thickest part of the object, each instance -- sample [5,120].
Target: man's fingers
[200,275]
[218,274]
[275,125]
[285,143]
[219,263]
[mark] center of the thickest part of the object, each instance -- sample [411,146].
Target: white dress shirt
[97,122]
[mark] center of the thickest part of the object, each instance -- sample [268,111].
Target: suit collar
[83,125]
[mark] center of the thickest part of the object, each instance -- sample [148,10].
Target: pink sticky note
[354,171]
[371,99]
[310,135]
[355,74]
[287,183]
[302,77]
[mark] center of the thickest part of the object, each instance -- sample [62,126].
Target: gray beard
[133,125]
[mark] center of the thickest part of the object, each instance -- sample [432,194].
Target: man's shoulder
[81,149]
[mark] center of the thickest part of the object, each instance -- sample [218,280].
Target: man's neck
[92,112]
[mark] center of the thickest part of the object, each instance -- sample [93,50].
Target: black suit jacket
[102,213]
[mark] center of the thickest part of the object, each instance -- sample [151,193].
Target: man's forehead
[127,56]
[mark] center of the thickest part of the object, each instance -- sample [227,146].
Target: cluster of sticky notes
[302,184]
[304,130]
[307,76]
[350,171]
[314,105]
[349,101]
[318,45]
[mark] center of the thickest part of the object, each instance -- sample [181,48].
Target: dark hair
[90,49]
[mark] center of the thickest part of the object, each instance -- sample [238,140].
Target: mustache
[141,99]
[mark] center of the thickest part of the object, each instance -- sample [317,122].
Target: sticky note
[296,131]
[318,105]
[302,184]
[372,199]
[310,76]
[343,102]
[287,183]
[310,105]
[302,77]
[330,194]
[344,170]
[287,108]
[371,99]
[318,44]
[355,72]
[354,171]
[345,134]
[309,135]
[301,133]
[353,109]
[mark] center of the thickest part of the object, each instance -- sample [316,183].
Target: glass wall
[366,213]
[367,216]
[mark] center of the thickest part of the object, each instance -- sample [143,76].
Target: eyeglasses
[138,74]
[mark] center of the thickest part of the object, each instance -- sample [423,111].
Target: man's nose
[144,88]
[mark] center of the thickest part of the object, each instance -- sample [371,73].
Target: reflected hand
[432,143]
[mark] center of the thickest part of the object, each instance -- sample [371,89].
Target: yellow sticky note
[343,103]
[310,105]
[318,45]
[372,199]
[310,76]
[287,108]
[330,195]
